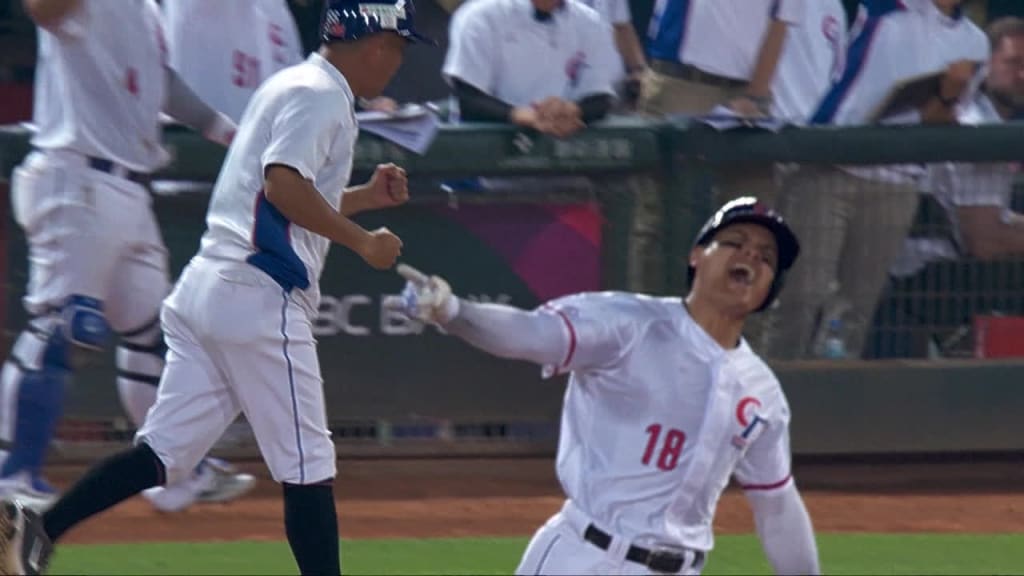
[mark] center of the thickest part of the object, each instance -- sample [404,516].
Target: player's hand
[426,299]
[746,107]
[957,78]
[559,117]
[381,249]
[388,187]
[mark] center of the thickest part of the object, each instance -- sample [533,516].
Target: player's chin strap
[37,371]
[140,362]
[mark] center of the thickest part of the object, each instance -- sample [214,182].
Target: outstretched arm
[510,332]
[785,530]
[184,105]
[498,329]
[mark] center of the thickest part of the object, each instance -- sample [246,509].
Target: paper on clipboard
[412,126]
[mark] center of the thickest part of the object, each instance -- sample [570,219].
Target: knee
[63,339]
[141,353]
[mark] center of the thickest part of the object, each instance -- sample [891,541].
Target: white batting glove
[427,299]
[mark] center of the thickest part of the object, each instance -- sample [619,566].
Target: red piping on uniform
[772,486]
[572,338]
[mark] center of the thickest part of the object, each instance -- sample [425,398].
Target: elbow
[47,14]
[983,248]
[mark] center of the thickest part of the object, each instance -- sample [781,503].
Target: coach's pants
[238,342]
[851,229]
[663,95]
[558,548]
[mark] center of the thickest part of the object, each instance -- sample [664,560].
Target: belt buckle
[665,560]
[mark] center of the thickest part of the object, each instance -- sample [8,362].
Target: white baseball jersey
[813,57]
[100,84]
[721,37]
[955,185]
[226,48]
[658,416]
[497,46]
[893,41]
[611,11]
[302,117]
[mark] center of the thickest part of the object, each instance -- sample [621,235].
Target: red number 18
[671,448]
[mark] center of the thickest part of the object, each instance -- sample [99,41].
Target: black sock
[312,527]
[117,478]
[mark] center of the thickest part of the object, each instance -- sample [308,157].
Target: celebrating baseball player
[665,402]
[238,323]
[97,263]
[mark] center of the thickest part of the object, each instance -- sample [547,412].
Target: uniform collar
[708,346]
[541,17]
[335,74]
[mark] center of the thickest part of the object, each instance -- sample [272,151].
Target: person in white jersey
[631,51]
[813,58]
[854,219]
[97,264]
[224,50]
[705,54]
[238,323]
[665,403]
[549,65]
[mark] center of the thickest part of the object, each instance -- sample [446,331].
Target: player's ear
[695,255]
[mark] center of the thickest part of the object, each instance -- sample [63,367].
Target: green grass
[840,553]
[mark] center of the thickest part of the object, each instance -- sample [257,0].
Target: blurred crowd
[557,66]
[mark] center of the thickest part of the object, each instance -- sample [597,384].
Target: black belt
[657,560]
[104,165]
[694,74]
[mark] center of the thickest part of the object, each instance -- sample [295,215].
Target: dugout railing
[558,216]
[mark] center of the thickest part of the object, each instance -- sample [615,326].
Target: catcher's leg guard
[36,372]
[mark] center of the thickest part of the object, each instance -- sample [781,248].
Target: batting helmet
[749,209]
[351,20]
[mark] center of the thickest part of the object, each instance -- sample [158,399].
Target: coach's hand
[388,186]
[381,249]
[427,299]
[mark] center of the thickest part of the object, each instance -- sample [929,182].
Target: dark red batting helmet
[750,209]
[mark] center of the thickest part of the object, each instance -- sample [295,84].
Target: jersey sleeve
[301,134]
[619,12]
[601,63]
[598,331]
[766,465]
[472,54]
[789,11]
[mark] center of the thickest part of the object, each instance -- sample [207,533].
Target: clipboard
[909,95]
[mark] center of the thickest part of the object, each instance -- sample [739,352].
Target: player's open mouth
[742,273]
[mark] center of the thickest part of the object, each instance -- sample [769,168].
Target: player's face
[737,268]
[1006,74]
[385,59]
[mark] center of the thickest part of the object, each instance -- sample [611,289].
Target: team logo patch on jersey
[574,67]
[748,418]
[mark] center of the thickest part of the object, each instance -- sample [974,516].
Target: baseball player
[97,264]
[665,402]
[238,323]
[813,57]
[225,49]
[634,62]
[549,65]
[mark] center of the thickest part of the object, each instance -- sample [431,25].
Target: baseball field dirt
[512,497]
